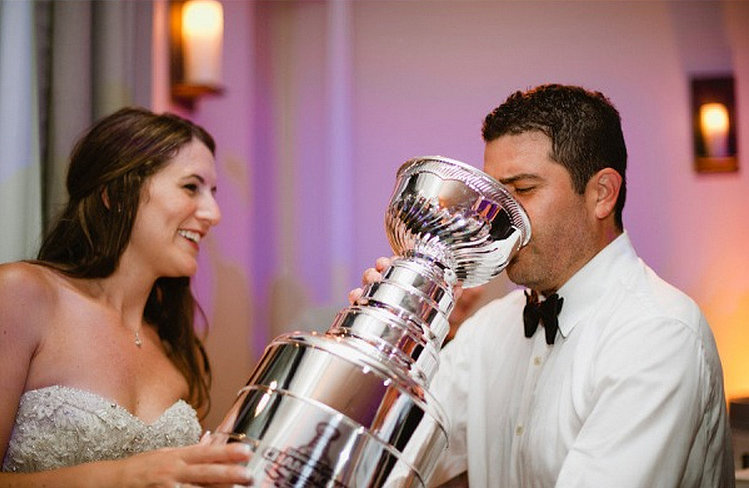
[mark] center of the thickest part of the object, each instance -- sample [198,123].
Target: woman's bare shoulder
[27,289]
[29,276]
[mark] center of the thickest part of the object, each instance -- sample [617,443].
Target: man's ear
[605,186]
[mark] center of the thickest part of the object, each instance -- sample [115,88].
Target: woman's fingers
[189,466]
[212,473]
[214,464]
[206,438]
[235,452]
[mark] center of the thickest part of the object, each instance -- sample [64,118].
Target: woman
[102,373]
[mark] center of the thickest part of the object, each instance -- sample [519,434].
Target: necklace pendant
[138,342]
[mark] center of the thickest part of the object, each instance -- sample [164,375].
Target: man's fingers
[457,292]
[370,275]
[354,295]
[382,262]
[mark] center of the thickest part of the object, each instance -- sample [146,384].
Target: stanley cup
[351,407]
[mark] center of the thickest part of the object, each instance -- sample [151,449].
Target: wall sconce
[714,124]
[196,35]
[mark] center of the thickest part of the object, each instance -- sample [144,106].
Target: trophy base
[319,412]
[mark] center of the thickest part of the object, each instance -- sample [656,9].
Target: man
[628,391]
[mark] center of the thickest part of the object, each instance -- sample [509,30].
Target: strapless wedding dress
[61,426]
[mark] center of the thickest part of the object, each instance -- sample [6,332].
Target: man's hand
[373,275]
[370,275]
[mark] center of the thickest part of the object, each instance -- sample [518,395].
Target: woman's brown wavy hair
[108,167]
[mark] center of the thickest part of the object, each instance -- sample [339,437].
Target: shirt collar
[582,292]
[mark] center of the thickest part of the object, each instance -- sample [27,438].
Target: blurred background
[315,104]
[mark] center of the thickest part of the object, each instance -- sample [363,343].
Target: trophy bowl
[351,407]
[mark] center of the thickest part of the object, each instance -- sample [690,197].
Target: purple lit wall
[321,92]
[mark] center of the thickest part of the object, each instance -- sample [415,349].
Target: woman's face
[176,211]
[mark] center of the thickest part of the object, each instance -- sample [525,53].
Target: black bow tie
[544,312]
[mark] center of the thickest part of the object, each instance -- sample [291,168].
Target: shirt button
[519,430]
[537,361]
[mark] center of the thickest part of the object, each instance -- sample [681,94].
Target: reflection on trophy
[351,407]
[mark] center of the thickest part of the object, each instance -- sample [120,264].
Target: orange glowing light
[715,123]
[202,36]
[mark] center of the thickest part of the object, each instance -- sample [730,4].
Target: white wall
[422,77]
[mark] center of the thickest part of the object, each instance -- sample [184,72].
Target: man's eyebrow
[521,176]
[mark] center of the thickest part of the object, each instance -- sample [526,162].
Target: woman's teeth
[190,235]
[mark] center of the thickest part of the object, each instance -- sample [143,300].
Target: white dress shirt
[630,394]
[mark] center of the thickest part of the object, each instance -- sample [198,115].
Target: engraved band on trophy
[351,407]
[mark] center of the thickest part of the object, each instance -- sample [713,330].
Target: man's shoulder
[644,308]
[639,286]
[653,296]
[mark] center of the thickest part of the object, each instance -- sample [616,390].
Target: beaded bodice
[61,426]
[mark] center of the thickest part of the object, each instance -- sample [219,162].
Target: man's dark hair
[584,128]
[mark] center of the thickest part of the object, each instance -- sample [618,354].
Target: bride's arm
[186,466]
[26,302]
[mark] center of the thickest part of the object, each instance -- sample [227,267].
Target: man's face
[562,239]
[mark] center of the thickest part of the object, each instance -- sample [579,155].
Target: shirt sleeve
[449,387]
[653,405]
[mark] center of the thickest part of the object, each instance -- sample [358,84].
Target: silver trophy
[351,407]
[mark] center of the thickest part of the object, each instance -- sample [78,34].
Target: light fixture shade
[202,38]
[196,39]
[714,124]
[714,127]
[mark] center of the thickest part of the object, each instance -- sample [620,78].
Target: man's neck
[605,238]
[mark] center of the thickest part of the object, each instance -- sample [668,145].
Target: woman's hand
[180,467]
[198,465]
